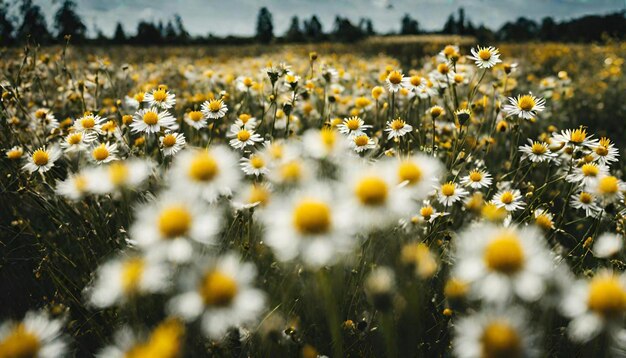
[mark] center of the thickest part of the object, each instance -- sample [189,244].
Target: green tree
[264,26]
[33,23]
[119,36]
[294,34]
[68,22]
[6,25]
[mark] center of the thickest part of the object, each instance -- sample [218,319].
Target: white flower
[161,98]
[608,189]
[361,143]
[526,106]
[353,126]
[608,245]
[35,336]
[324,143]
[42,159]
[477,179]
[577,137]
[88,123]
[74,187]
[397,128]
[586,201]
[221,294]
[195,119]
[605,152]
[151,120]
[46,118]
[242,137]
[510,200]
[77,141]
[449,193]
[587,174]
[124,174]
[214,109]
[166,340]
[485,57]
[418,174]
[536,152]
[246,121]
[502,262]
[394,81]
[104,153]
[255,165]
[172,143]
[123,278]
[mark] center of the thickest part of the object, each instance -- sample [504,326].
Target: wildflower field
[386,199]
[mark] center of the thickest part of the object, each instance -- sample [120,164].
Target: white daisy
[172,143]
[221,294]
[252,195]
[577,137]
[544,219]
[195,119]
[89,123]
[124,174]
[485,57]
[536,152]
[397,128]
[161,98]
[77,141]
[165,341]
[394,81]
[418,173]
[255,165]
[361,143]
[477,179]
[214,109]
[46,118]
[526,106]
[502,262]
[510,200]
[151,120]
[449,193]
[124,278]
[353,126]
[242,137]
[246,121]
[104,153]
[74,187]
[37,335]
[604,152]
[587,174]
[42,159]
[608,189]
[586,201]
[608,245]
[324,143]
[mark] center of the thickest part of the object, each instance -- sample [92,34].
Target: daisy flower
[586,201]
[161,98]
[502,262]
[124,174]
[172,143]
[587,174]
[510,200]
[310,224]
[220,294]
[415,83]
[429,213]
[15,153]
[477,179]
[449,193]
[254,165]
[42,159]
[165,341]
[291,172]
[485,57]
[418,173]
[609,189]
[536,152]
[448,53]
[324,143]
[353,126]
[121,279]
[544,219]
[35,336]
[74,187]
[77,141]
[253,195]
[604,152]
[150,120]
[89,123]
[214,109]
[526,106]
[46,118]
[195,119]
[394,81]
[246,121]
[608,245]
[361,143]
[494,333]
[104,153]
[595,305]
[397,128]
[242,137]
[163,227]
[208,172]
[576,137]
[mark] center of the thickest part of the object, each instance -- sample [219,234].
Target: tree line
[30,25]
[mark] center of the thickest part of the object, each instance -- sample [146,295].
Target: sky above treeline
[238,17]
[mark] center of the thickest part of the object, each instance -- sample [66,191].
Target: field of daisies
[309,204]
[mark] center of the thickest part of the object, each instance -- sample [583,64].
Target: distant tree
[484,35]
[147,34]
[369,27]
[183,35]
[450,26]
[345,31]
[522,29]
[33,23]
[6,25]
[119,36]
[548,29]
[313,29]
[264,26]
[294,33]
[409,26]
[68,22]
[460,25]
[169,34]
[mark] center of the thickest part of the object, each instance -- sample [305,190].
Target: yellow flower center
[395,77]
[215,105]
[169,140]
[448,189]
[579,135]
[20,343]
[475,176]
[361,140]
[100,152]
[41,114]
[505,253]
[493,213]
[88,122]
[416,80]
[14,154]
[427,211]
[257,162]
[139,96]
[608,185]
[41,157]
[159,95]
[258,194]
[291,171]
[590,170]
[500,340]
[195,116]
[150,118]
[118,173]
[602,151]
[353,124]
[526,103]
[132,271]
[312,217]
[329,137]
[484,54]
[449,50]
[372,191]
[397,124]
[506,197]
[244,118]
[174,221]
[543,221]
[409,171]
[538,148]
[203,167]
[218,289]
[606,296]
[585,198]
[443,68]
[243,135]
[74,138]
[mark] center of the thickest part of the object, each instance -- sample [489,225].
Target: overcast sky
[238,17]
